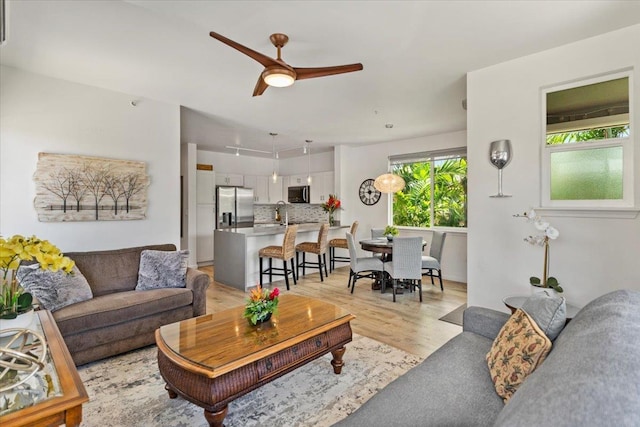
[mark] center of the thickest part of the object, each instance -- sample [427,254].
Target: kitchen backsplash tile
[298,212]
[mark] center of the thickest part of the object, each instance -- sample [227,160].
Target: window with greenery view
[588,147]
[435,194]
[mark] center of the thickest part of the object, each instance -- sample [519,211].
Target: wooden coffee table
[213,359]
[65,409]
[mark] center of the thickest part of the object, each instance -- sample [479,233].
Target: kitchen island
[236,250]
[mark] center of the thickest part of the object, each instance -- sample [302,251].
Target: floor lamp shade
[389,183]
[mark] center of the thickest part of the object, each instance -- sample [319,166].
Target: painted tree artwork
[81,188]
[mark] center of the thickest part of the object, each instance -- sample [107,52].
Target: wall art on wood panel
[80,188]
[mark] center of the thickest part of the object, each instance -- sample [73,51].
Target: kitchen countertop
[273,229]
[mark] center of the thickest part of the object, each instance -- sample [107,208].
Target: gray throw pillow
[54,290]
[548,311]
[162,269]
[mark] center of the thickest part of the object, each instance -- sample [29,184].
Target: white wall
[357,163]
[41,114]
[592,256]
[188,168]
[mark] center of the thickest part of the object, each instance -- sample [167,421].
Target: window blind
[426,156]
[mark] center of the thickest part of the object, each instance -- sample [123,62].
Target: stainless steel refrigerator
[234,207]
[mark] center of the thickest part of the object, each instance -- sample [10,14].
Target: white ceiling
[415,56]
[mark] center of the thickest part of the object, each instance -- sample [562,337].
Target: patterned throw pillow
[54,290]
[162,269]
[517,350]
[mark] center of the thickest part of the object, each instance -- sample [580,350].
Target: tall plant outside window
[435,194]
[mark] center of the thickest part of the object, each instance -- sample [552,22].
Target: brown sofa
[118,318]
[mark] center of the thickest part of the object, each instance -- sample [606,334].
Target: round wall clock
[369,195]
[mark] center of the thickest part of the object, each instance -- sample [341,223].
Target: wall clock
[369,195]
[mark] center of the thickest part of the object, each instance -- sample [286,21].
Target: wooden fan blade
[261,86]
[309,73]
[261,58]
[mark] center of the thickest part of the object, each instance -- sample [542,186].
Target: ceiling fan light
[278,76]
[389,183]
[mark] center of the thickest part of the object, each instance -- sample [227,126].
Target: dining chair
[363,267]
[286,252]
[405,267]
[319,248]
[377,232]
[431,262]
[341,244]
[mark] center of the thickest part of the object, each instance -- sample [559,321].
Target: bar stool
[285,253]
[319,248]
[342,244]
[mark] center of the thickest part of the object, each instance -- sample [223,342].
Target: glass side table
[61,392]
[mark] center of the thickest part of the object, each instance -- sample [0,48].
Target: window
[587,153]
[435,194]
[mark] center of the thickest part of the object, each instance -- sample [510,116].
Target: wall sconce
[500,155]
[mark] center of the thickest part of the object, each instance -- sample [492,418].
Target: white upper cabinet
[296,180]
[260,186]
[232,179]
[322,184]
[205,186]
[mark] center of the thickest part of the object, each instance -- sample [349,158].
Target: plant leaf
[534,281]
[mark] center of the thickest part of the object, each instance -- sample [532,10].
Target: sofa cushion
[516,352]
[112,270]
[162,269]
[107,310]
[591,376]
[54,290]
[451,387]
[548,311]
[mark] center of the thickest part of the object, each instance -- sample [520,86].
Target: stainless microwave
[300,194]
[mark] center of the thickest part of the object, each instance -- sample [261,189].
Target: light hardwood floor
[406,324]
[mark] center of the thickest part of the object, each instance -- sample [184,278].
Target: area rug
[455,316]
[128,390]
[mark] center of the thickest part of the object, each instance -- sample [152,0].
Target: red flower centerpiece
[332,205]
[261,304]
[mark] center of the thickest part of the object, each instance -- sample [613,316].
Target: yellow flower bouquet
[13,252]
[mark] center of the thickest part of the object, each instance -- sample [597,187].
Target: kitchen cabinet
[276,189]
[296,180]
[260,186]
[205,186]
[205,225]
[322,184]
[231,179]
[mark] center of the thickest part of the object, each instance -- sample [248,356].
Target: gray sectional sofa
[119,318]
[591,377]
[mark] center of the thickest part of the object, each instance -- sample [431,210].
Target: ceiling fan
[277,72]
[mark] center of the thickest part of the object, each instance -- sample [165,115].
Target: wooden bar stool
[285,252]
[319,248]
[342,244]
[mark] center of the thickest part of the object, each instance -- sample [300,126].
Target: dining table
[383,246]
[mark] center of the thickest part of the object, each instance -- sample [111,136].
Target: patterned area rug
[128,390]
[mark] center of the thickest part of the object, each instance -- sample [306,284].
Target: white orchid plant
[542,239]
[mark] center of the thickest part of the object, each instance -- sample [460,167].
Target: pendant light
[308,151]
[274,175]
[389,183]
